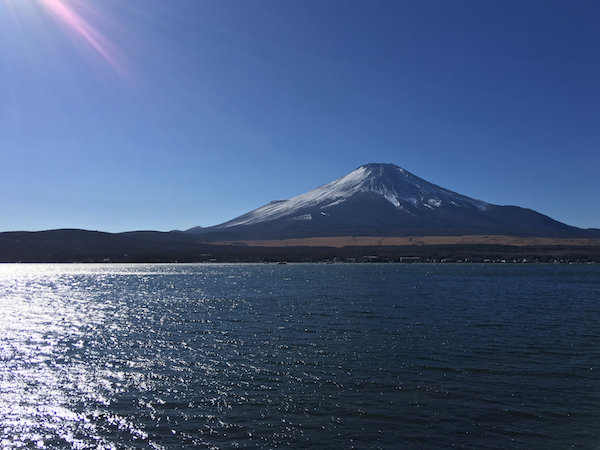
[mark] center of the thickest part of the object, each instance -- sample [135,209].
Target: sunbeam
[82,30]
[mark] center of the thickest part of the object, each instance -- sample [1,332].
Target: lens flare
[82,30]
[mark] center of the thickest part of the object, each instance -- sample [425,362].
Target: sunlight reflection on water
[49,368]
[223,356]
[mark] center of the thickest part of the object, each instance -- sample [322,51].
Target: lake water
[300,356]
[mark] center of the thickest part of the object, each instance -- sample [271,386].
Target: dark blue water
[339,356]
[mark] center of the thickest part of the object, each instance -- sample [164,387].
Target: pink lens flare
[82,29]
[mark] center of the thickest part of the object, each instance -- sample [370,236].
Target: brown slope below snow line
[374,241]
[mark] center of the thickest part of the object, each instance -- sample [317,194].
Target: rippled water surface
[300,356]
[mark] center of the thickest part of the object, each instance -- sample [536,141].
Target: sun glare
[81,28]
[79,19]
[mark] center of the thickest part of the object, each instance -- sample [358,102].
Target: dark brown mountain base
[155,247]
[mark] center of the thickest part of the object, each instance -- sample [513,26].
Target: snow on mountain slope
[399,187]
[385,200]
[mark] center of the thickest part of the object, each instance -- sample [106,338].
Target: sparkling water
[300,356]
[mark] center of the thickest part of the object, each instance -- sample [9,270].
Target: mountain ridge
[378,209]
[387,200]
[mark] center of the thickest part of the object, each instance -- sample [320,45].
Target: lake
[301,356]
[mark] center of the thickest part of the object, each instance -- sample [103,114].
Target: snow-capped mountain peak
[399,187]
[384,200]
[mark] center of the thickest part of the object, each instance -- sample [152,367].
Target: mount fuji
[376,205]
[386,200]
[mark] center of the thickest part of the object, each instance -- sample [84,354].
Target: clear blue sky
[152,114]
